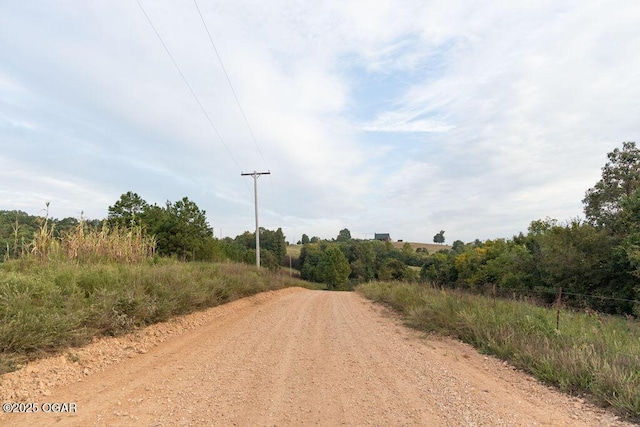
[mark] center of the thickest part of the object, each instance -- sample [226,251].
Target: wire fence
[561,297]
[550,291]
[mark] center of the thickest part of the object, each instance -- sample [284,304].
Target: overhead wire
[244,116]
[184,78]
[233,91]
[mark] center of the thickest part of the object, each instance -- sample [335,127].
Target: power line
[188,86]
[246,122]
[235,96]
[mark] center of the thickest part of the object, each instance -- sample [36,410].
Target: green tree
[65,225]
[17,229]
[127,211]
[629,217]
[309,260]
[249,256]
[344,235]
[394,269]
[407,249]
[247,240]
[541,226]
[362,261]
[280,244]
[620,179]
[439,238]
[233,250]
[572,256]
[305,239]
[439,269]
[470,266]
[273,241]
[458,246]
[193,226]
[181,229]
[334,268]
[269,260]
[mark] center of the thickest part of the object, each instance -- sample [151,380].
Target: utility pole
[255,176]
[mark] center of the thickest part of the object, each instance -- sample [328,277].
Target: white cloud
[65,194]
[390,122]
[399,117]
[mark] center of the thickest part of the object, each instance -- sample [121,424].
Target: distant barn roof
[383,237]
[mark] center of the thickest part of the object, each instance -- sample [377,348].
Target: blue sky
[404,117]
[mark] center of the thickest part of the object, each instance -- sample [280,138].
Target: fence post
[558,302]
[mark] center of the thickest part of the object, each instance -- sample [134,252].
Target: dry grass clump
[130,245]
[90,245]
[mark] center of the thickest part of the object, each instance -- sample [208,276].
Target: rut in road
[295,357]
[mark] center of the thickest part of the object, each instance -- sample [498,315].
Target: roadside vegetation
[63,287]
[591,354]
[177,230]
[48,306]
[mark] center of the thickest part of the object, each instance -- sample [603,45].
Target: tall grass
[49,306]
[129,245]
[599,356]
[89,245]
[64,290]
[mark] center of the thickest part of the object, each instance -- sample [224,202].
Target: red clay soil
[291,357]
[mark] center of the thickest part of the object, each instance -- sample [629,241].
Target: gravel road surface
[286,358]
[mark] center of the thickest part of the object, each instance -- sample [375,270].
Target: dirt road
[292,357]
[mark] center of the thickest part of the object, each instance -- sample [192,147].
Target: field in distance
[294,250]
[431,247]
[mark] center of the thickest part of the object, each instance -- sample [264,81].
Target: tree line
[595,260]
[180,230]
[344,262]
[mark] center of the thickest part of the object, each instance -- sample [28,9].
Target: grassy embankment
[46,307]
[588,354]
[63,292]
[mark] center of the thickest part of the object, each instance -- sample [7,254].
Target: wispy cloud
[399,122]
[400,117]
